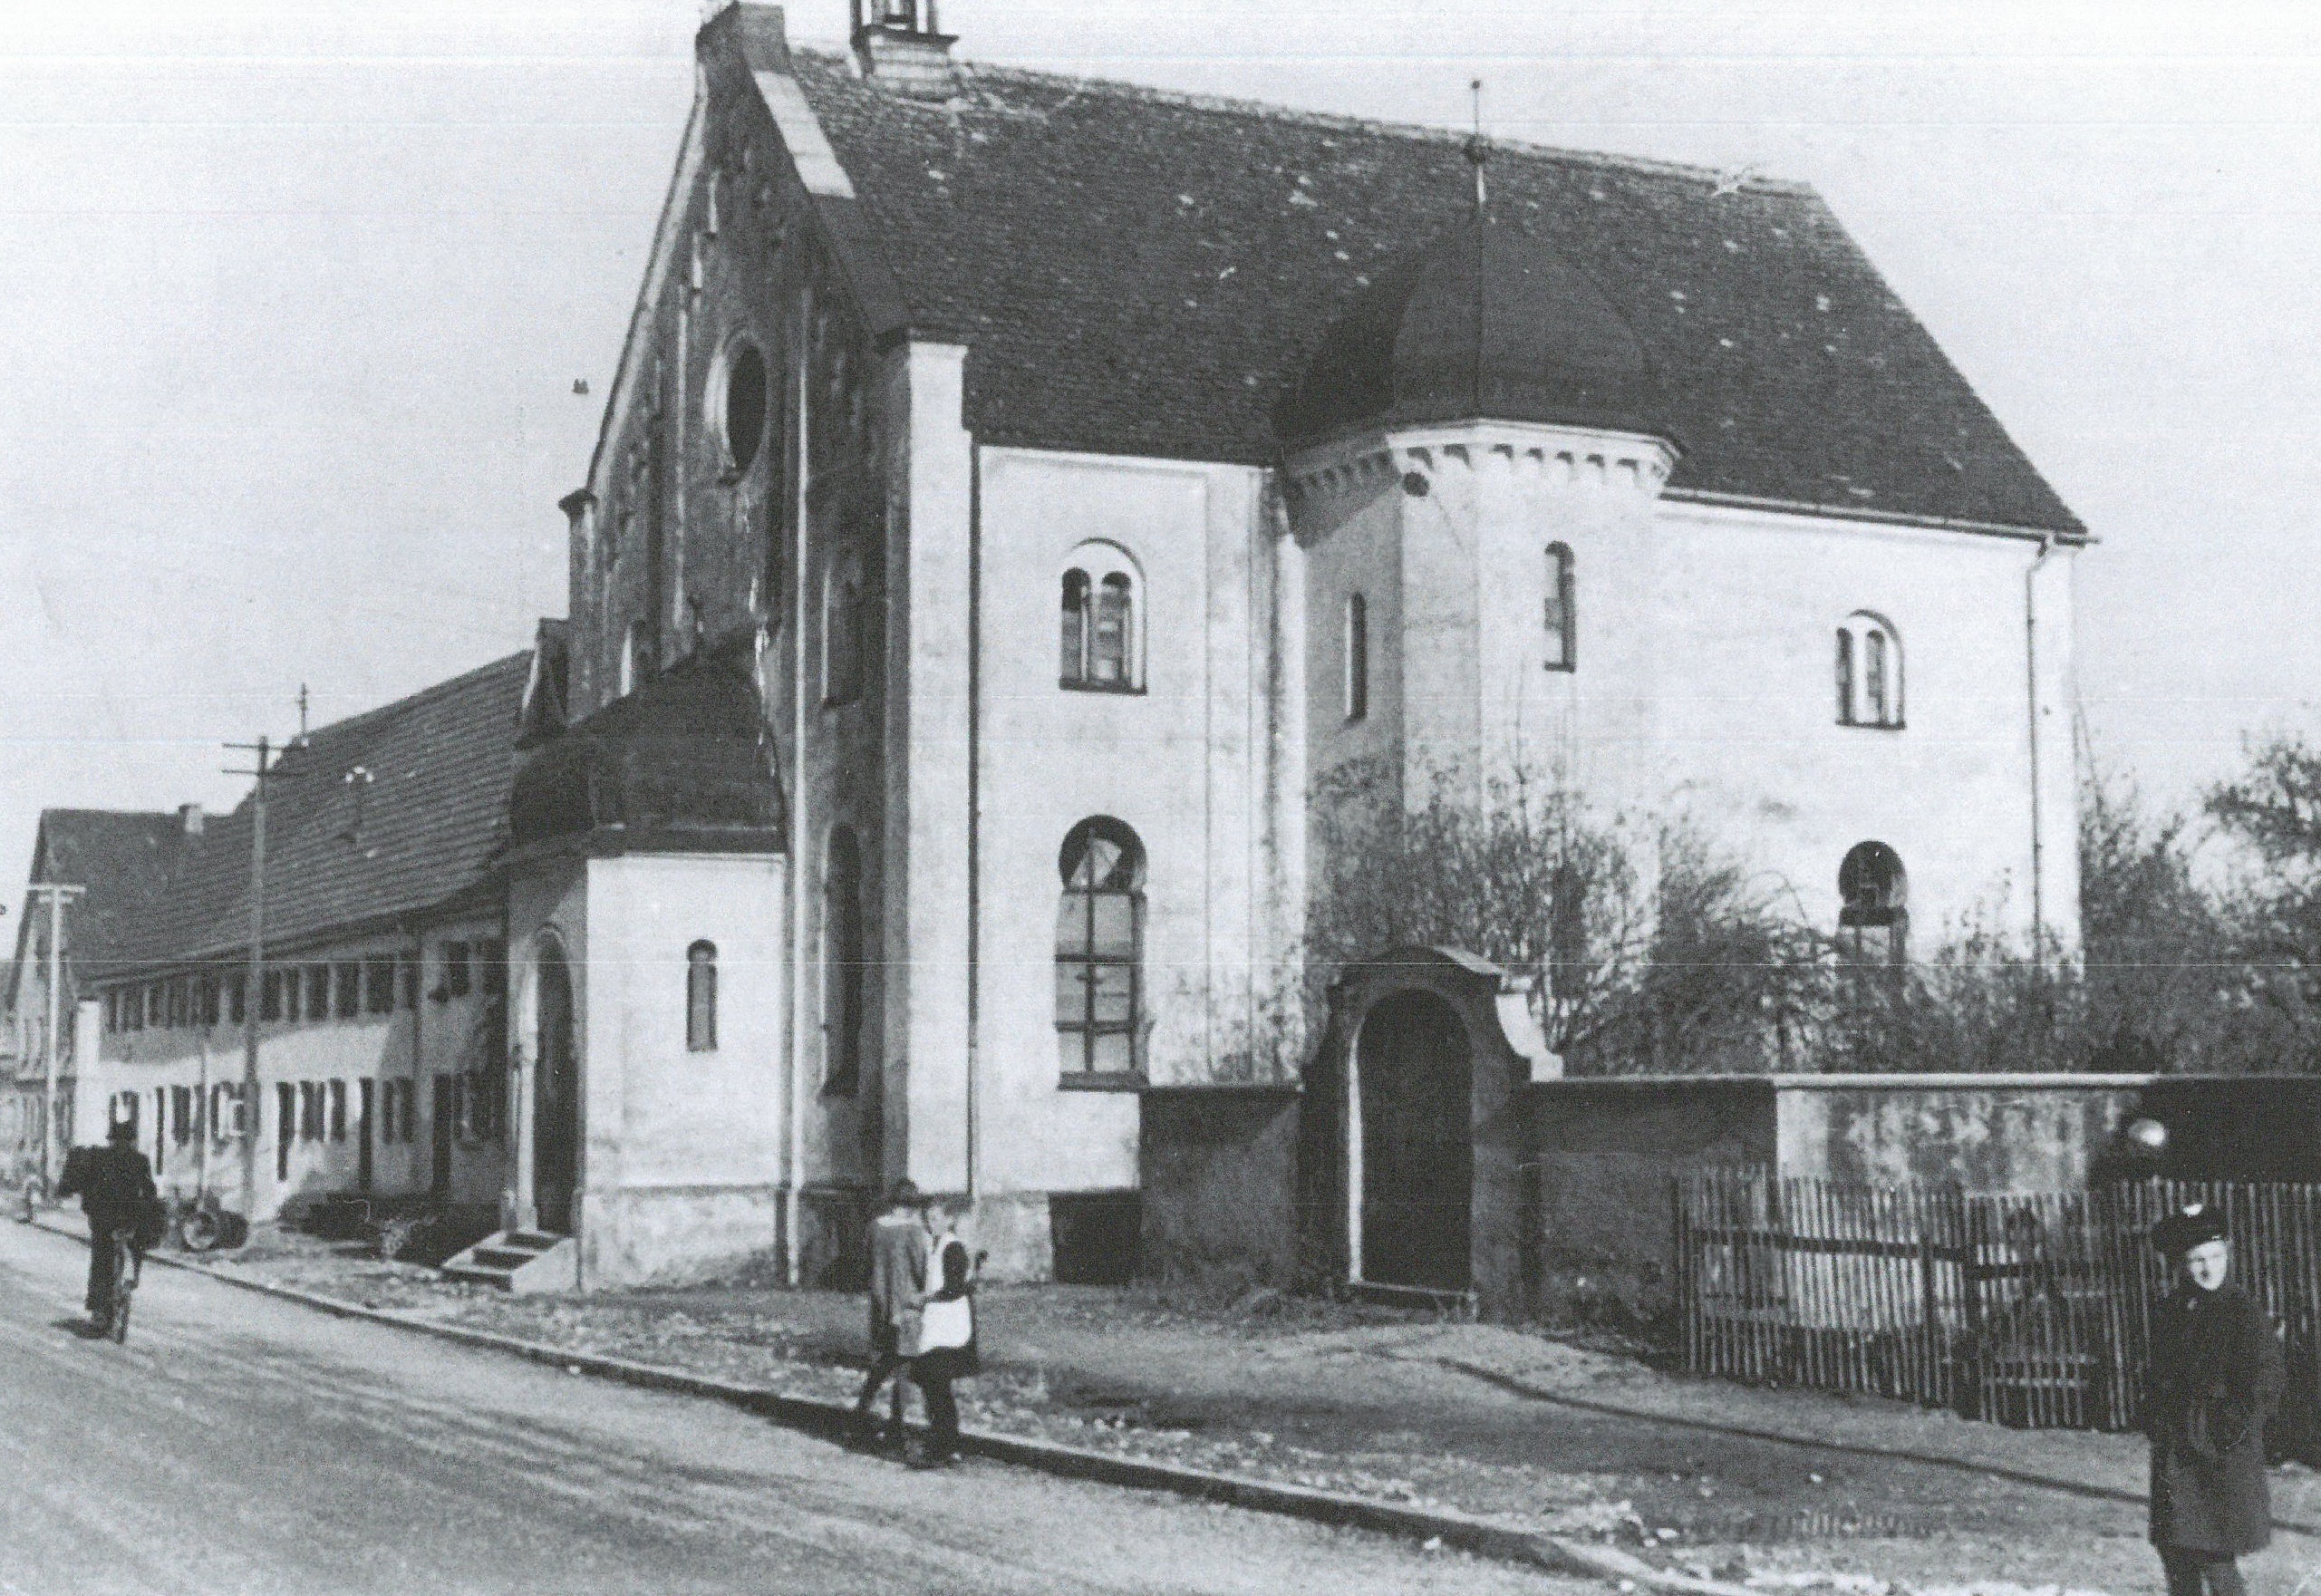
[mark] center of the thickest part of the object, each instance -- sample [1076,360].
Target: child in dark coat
[2216,1377]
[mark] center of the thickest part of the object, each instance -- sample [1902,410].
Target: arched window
[1563,617]
[1102,641]
[842,629]
[1099,952]
[1873,906]
[843,968]
[701,998]
[1869,671]
[1358,657]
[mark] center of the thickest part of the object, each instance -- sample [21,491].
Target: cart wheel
[200,1230]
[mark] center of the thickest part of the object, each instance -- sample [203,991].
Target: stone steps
[519,1261]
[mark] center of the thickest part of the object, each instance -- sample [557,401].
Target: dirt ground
[1785,1490]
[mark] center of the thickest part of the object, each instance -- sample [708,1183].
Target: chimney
[189,819]
[897,42]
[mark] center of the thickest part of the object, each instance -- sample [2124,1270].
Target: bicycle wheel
[124,1286]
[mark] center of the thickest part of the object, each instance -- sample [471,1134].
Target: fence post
[1968,1381]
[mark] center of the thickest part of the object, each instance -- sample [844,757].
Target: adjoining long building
[380,1015]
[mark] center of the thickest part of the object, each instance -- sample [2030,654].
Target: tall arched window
[843,968]
[1563,617]
[1103,644]
[701,998]
[1869,671]
[1873,906]
[1099,952]
[1358,657]
[842,629]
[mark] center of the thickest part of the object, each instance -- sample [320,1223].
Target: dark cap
[2188,1227]
[905,1193]
[122,1130]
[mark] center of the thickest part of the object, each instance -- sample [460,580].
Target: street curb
[828,1420]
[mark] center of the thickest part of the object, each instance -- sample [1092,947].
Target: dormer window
[1868,669]
[1102,642]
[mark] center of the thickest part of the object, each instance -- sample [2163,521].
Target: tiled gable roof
[420,833]
[121,857]
[1139,273]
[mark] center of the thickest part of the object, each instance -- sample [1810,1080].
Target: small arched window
[1099,952]
[842,631]
[843,967]
[1873,906]
[701,998]
[1358,657]
[1101,636]
[1563,617]
[1868,669]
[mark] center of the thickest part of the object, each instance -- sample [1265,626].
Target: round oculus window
[745,405]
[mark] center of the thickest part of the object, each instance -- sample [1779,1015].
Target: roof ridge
[404,705]
[1745,180]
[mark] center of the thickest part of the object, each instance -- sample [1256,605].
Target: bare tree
[1650,951]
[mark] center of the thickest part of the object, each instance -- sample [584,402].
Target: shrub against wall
[1650,949]
[1653,951]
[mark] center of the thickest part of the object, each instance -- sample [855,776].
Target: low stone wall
[1217,1166]
[1603,1154]
[1983,1132]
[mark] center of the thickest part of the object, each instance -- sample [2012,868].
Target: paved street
[241,1444]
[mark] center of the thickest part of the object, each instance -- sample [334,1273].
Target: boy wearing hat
[2216,1377]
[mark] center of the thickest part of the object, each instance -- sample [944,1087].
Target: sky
[296,293]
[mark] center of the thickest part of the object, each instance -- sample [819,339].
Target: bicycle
[124,1282]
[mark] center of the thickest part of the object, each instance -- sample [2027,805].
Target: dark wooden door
[556,1103]
[1417,1092]
[363,1147]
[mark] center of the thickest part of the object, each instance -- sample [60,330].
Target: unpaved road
[243,1445]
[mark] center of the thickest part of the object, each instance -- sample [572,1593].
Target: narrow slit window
[1358,657]
[1562,616]
[1109,649]
[1072,671]
[844,965]
[701,998]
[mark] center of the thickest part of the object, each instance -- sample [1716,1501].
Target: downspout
[974,801]
[792,1253]
[2031,676]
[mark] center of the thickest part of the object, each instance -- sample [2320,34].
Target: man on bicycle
[115,1185]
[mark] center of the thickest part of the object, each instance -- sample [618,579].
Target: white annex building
[1019,494]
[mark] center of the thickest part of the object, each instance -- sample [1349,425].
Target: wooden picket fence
[2029,1309]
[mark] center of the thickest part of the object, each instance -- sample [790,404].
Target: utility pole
[56,895]
[255,980]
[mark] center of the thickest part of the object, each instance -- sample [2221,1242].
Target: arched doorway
[556,1099]
[1415,1072]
